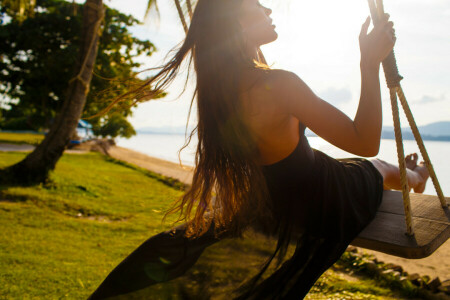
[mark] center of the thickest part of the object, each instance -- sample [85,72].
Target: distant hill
[438,131]
[435,129]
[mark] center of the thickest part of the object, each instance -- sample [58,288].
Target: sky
[318,40]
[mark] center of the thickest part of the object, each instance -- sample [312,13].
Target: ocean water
[166,146]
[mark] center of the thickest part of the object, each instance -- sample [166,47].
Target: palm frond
[152,5]
[184,8]
[181,15]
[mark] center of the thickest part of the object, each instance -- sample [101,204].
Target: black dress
[321,204]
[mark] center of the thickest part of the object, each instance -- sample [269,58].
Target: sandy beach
[437,264]
[163,167]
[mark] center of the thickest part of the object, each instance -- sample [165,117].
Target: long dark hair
[228,187]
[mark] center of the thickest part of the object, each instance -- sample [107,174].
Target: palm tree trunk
[181,15]
[37,165]
[189,6]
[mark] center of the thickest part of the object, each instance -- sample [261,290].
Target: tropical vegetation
[37,59]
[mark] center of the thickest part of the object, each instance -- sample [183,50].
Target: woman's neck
[255,53]
[252,52]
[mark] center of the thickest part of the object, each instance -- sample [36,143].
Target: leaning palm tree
[37,165]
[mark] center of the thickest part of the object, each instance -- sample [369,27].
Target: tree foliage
[18,9]
[37,58]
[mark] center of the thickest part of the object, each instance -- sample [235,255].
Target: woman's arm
[360,136]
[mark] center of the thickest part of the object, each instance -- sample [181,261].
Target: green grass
[59,241]
[21,138]
[52,245]
[334,286]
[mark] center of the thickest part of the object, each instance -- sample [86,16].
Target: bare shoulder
[281,77]
[261,98]
[290,88]
[280,81]
[265,84]
[276,87]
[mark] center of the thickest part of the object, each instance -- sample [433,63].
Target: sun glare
[322,31]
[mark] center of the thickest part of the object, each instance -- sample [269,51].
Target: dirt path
[5,147]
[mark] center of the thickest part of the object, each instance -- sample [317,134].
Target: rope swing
[393,79]
[433,224]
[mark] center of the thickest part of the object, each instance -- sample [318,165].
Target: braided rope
[393,79]
[390,69]
[401,162]
[380,8]
[373,11]
[421,145]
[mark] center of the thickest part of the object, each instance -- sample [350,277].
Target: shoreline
[164,167]
[435,265]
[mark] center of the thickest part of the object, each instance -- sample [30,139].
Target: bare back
[275,130]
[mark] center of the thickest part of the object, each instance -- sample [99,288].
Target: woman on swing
[254,166]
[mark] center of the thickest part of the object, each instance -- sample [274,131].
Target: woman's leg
[417,174]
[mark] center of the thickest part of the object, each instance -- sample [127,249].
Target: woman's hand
[377,44]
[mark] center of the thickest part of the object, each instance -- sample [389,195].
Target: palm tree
[37,165]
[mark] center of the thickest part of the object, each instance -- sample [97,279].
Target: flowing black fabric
[321,203]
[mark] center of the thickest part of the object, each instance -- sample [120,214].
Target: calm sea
[166,146]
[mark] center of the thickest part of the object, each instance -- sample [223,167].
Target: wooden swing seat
[387,232]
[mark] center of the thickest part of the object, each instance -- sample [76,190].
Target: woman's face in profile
[256,23]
